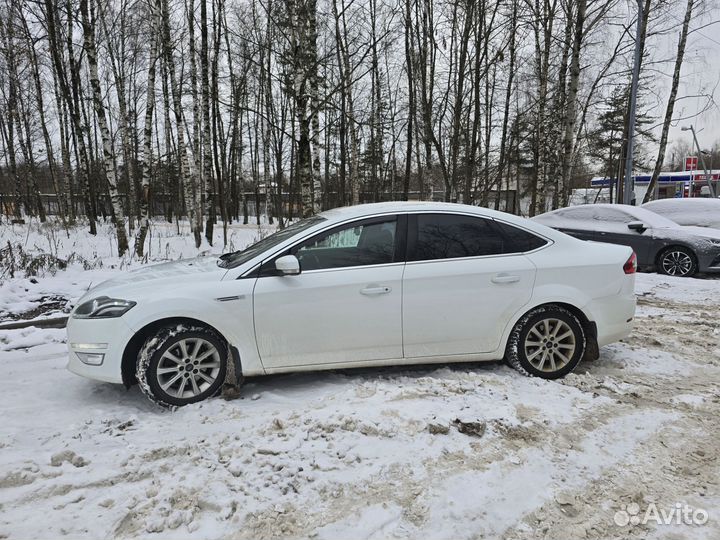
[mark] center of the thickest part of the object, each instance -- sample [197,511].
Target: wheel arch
[135,343]
[592,350]
[660,252]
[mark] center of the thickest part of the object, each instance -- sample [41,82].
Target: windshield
[236,258]
[656,221]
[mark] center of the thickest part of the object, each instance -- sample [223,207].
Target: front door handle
[375,290]
[505,278]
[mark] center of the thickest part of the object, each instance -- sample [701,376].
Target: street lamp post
[709,153]
[702,160]
[627,188]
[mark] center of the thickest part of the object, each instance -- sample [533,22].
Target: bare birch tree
[670,108]
[155,9]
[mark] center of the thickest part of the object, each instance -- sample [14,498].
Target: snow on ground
[685,291]
[93,259]
[457,451]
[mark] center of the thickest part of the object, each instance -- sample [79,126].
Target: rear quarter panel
[579,271]
[588,276]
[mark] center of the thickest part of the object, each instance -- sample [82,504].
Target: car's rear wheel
[546,342]
[677,261]
[182,364]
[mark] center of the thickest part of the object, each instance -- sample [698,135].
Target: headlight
[103,307]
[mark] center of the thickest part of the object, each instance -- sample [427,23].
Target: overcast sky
[700,75]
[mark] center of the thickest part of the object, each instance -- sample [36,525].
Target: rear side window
[518,240]
[450,236]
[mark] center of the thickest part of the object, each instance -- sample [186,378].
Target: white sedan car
[372,285]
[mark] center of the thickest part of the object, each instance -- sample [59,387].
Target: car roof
[706,201]
[641,214]
[637,211]
[360,210]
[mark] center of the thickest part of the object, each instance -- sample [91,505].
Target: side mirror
[638,226]
[288,265]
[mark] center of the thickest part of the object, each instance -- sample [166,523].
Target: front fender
[231,317]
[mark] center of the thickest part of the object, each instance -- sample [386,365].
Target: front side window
[451,236]
[356,244]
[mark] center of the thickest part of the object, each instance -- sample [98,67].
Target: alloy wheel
[188,368]
[677,263]
[549,345]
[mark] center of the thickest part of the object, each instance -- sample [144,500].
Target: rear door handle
[375,290]
[505,278]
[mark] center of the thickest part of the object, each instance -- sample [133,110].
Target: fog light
[91,359]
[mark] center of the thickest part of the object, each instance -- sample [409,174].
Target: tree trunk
[6,30]
[123,114]
[451,182]
[67,194]
[185,176]
[543,42]
[91,53]
[70,91]
[43,124]
[426,62]
[503,158]
[671,102]
[196,185]
[412,108]
[147,132]
[348,113]
[207,169]
[571,107]
[302,16]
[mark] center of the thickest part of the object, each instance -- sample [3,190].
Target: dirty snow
[373,453]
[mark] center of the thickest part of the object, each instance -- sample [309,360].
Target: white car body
[405,312]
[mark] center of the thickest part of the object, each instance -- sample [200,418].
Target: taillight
[630,267]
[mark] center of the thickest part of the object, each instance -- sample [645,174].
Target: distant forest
[219,110]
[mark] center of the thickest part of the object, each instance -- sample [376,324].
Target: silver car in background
[658,242]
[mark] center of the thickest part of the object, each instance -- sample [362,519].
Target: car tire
[182,364]
[547,342]
[677,261]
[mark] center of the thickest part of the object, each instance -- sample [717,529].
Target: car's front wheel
[182,364]
[546,342]
[677,261]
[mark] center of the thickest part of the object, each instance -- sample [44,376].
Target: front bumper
[102,336]
[709,262]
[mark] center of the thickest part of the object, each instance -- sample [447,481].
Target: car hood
[701,239]
[705,232]
[171,274]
